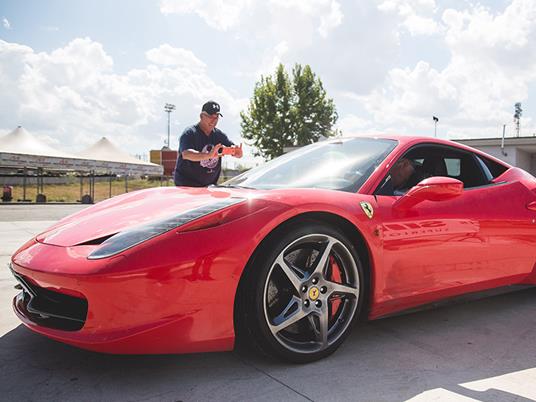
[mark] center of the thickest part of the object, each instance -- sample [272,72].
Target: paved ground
[481,350]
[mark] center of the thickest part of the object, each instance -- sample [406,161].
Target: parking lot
[483,349]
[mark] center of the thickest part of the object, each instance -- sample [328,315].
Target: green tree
[286,112]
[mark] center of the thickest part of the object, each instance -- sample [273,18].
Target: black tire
[293,308]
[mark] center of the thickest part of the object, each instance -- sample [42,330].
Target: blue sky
[72,72]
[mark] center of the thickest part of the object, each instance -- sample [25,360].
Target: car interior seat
[434,166]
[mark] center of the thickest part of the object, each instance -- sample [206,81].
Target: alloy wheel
[311,293]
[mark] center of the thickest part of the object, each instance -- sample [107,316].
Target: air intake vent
[49,308]
[96,242]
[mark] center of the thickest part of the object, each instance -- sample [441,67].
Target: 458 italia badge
[367,209]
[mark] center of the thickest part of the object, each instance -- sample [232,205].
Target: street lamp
[517,115]
[436,119]
[168,108]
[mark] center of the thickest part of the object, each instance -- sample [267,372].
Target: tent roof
[20,141]
[21,149]
[105,150]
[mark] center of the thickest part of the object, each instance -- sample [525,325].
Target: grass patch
[71,192]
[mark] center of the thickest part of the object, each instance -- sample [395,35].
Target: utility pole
[168,108]
[502,141]
[436,119]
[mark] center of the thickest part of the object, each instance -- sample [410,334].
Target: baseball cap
[211,108]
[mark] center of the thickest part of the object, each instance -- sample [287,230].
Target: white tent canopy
[20,141]
[105,150]
[20,149]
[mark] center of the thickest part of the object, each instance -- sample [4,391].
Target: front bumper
[174,293]
[49,308]
[177,303]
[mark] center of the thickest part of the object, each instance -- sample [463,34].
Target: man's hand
[238,151]
[214,152]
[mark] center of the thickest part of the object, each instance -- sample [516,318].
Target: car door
[480,239]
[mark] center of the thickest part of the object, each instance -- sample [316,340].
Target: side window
[429,160]
[494,168]
[453,166]
[485,169]
[470,171]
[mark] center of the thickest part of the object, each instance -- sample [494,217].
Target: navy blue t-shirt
[203,173]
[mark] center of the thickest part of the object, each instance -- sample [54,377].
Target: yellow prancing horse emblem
[367,209]
[313,293]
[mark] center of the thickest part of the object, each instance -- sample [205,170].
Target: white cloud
[416,15]
[270,60]
[219,14]
[280,31]
[411,95]
[167,55]
[349,44]
[492,65]
[73,94]
[417,25]
[331,20]
[352,124]
[5,23]
[467,64]
[406,7]
[259,17]
[325,15]
[507,38]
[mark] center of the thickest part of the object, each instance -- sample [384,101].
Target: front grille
[49,308]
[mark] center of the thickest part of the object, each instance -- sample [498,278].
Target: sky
[72,72]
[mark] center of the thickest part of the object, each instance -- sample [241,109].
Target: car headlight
[136,235]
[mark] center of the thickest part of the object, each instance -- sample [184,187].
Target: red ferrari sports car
[289,254]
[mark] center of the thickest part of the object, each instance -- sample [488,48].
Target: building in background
[517,151]
[166,158]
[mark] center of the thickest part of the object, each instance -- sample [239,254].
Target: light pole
[517,115]
[436,119]
[168,108]
[502,141]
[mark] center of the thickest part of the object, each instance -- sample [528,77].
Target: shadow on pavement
[387,360]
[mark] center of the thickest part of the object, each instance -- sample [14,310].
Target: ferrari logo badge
[367,209]
[313,293]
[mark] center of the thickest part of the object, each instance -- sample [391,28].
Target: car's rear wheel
[305,292]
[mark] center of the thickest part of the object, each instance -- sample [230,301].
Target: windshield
[342,164]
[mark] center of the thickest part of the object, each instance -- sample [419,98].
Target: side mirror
[436,188]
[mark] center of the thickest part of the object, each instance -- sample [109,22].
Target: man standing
[198,162]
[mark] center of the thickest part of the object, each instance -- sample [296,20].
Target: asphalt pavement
[482,350]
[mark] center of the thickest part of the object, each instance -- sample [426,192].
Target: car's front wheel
[305,292]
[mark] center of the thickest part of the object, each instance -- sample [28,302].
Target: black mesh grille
[49,308]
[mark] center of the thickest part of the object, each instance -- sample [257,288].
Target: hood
[117,214]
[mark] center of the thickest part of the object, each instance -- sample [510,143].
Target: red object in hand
[226,151]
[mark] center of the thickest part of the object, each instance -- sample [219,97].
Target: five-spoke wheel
[307,293]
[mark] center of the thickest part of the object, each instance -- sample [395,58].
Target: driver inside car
[403,175]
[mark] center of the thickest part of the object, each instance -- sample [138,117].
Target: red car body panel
[175,293]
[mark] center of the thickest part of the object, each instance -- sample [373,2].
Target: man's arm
[196,156]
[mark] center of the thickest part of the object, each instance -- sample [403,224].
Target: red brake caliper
[335,277]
